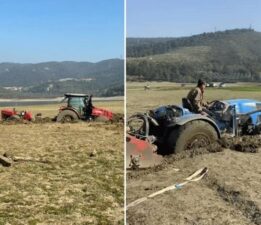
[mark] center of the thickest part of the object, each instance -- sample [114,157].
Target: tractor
[80,107]
[174,128]
[12,114]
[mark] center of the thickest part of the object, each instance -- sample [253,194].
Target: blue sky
[61,30]
[175,18]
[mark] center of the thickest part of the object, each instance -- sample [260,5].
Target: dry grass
[164,93]
[75,187]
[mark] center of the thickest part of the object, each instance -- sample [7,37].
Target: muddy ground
[229,194]
[117,118]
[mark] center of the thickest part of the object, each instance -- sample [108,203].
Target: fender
[180,121]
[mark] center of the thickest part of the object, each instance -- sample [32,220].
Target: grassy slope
[184,54]
[232,53]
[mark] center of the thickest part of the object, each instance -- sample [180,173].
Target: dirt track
[229,194]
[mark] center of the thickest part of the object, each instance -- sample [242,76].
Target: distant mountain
[232,55]
[56,78]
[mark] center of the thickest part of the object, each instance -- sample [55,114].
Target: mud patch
[117,118]
[249,144]
[44,120]
[170,159]
[14,122]
[249,208]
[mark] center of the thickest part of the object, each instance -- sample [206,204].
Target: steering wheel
[217,105]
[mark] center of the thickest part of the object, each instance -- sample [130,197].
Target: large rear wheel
[66,116]
[195,134]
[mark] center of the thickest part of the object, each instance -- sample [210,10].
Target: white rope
[196,176]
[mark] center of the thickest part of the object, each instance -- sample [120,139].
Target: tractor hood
[249,107]
[170,111]
[245,105]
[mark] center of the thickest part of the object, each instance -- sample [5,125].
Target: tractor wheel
[14,118]
[67,116]
[195,134]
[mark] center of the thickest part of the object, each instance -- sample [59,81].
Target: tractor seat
[187,104]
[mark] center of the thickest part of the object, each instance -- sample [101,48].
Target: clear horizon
[60,61]
[57,30]
[172,18]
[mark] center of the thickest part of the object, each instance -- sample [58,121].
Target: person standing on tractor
[196,98]
[88,107]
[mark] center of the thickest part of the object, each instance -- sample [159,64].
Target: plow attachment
[141,153]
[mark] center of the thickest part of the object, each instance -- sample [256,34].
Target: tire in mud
[14,118]
[194,134]
[67,116]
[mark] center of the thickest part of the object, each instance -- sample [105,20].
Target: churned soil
[229,194]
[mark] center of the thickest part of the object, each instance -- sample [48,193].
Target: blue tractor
[175,128]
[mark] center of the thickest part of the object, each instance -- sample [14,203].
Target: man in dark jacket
[88,107]
[196,98]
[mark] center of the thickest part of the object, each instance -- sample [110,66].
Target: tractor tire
[194,134]
[67,116]
[14,118]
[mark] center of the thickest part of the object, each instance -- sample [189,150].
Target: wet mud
[249,144]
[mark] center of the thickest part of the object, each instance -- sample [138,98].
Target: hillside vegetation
[232,55]
[105,78]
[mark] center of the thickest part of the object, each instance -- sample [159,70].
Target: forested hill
[231,55]
[104,78]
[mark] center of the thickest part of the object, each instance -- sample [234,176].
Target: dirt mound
[118,118]
[13,122]
[170,159]
[44,120]
[249,144]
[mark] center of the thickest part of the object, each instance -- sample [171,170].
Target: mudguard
[180,121]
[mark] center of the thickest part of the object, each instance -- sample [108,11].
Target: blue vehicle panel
[244,106]
[229,116]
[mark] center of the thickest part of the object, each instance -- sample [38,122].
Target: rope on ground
[196,176]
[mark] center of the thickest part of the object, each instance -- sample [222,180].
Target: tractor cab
[81,103]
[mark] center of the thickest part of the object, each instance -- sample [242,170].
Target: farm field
[51,110]
[162,93]
[229,194]
[80,178]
